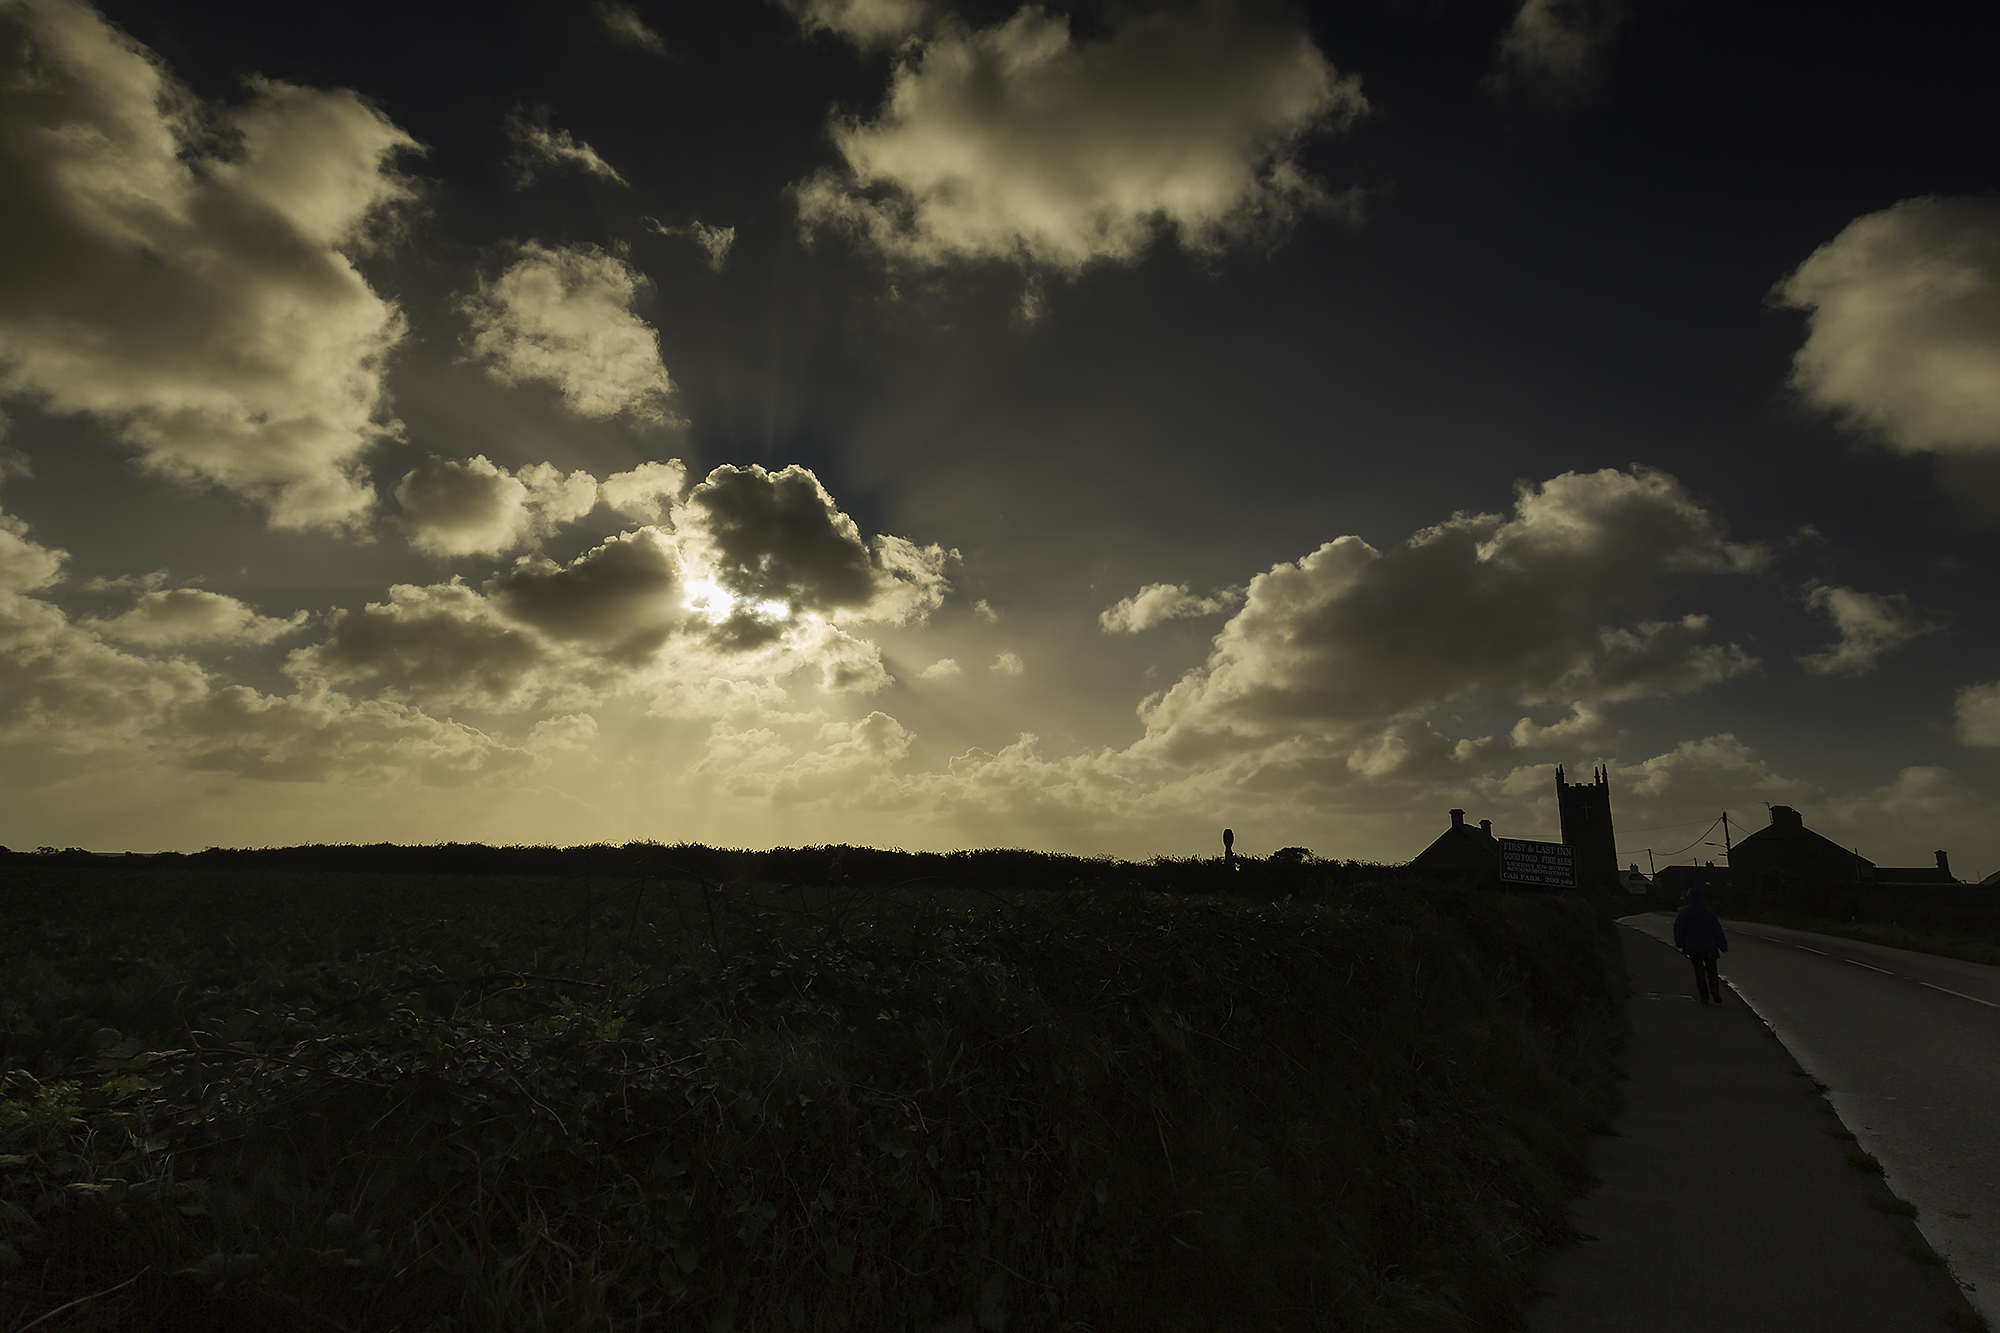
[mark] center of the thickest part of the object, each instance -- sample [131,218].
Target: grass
[666,1100]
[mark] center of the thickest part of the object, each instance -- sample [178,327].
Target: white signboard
[1552,864]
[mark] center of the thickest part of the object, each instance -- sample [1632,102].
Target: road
[1908,1045]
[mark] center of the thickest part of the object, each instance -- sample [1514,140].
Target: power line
[1696,843]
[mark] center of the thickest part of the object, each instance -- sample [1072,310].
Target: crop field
[671,1088]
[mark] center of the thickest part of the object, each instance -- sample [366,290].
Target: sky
[940,424]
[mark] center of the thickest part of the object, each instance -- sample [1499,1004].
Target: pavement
[1908,1047]
[1725,1200]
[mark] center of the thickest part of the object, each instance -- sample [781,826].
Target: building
[1461,847]
[1787,844]
[1586,826]
[1677,880]
[1938,874]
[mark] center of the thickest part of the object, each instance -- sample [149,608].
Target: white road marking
[1961,995]
[1772,939]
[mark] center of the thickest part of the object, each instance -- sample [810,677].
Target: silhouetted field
[672,1088]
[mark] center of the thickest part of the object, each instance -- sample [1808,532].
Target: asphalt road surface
[1908,1045]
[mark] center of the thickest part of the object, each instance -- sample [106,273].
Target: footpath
[1725,1201]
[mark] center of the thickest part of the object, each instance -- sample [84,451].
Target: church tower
[1586,826]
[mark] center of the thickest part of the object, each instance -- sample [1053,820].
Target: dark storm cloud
[1025,144]
[1349,637]
[180,271]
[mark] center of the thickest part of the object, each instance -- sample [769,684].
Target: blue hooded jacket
[1697,931]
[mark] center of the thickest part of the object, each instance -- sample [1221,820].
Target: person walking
[1698,934]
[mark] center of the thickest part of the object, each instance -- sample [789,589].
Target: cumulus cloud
[752,577]
[198,299]
[1519,607]
[1977,715]
[477,507]
[65,691]
[1157,603]
[647,491]
[863,22]
[945,668]
[1871,626]
[852,761]
[174,616]
[1553,47]
[540,148]
[1025,144]
[624,24]
[1587,728]
[563,315]
[1008,664]
[1904,326]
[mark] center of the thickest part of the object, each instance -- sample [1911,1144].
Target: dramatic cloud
[1350,637]
[1871,626]
[181,271]
[538,148]
[1904,329]
[478,508]
[166,617]
[863,22]
[1977,713]
[777,540]
[65,692]
[1157,603]
[563,316]
[1024,144]
[751,578]
[623,23]
[1553,46]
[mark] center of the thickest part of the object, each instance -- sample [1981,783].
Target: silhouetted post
[1228,849]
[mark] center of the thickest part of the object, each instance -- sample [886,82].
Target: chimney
[1783,816]
[1486,827]
[1458,819]
[1944,865]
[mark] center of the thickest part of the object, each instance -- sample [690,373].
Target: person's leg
[1700,976]
[1714,979]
